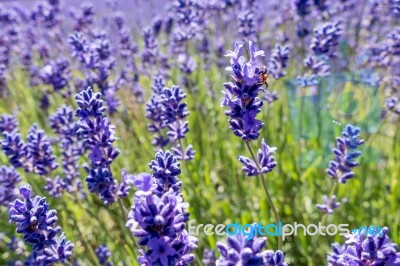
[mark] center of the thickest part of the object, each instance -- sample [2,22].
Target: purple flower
[266,161]
[99,136]
[42,159]
[124,188]
[166,170]
[302,7]
[329,205]
[240,251]
[325,39]
[13,146]
[209,258]
[278,61]
[8,123]
[83,17]
[340,169]
[161,251]
[318,65]
[242,96]
[56,73]
[9,179]
[63,123]
[247,24]
[154,111]
[103,254]
[393,104]
[55,186]
[345,152]
[38,225]
[365,249]
[166,109]
[160,212]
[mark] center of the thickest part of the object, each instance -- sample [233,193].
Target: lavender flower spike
[38,225]
[103,254]
[329,205]
[345,152]
[99,135]
[9,178]
[365,249]
[265,160]
[161,214]
[240,251]
[241,97]
[278,61]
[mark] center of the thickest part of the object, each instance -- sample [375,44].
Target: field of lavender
[122,123]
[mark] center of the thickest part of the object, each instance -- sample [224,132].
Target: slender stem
[87,245]
[264,183]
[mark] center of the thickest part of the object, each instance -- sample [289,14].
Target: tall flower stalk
[241,97]
[98,136]
[340,169]
[161,213]
[37,224]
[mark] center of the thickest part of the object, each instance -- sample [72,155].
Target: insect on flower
[263,76]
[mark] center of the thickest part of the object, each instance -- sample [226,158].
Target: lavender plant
[166,110]
[37,224]
[103,254]
[9,179]
[63,124]
[209,258]
[36,156]
[365,248]
[99,135]
[242,99]
[161,213]
[340,169]
[240,251]
[278,61]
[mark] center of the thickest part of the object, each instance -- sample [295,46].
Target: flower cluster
[95,56]
[247,24]
[99,135]
[38,225]
[103,254]
[209,258]
[341,169]
[364,249]
[36,156]
[323,46]
[150,53]
[325,39]
[265,161]
[329,204]
[9,179]
[189,21]
[278,61]
[242,96]
[56,73]
[63,124]
[165,109]
[42,159]
[345,152]
[239,251]
[160,212]
[83,17]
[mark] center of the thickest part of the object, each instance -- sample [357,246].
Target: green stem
[88,247]
[264,183]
